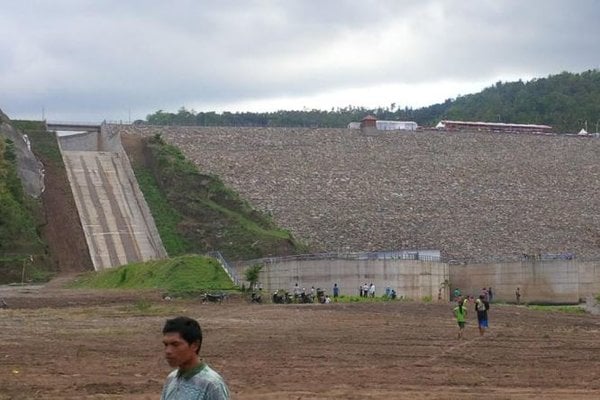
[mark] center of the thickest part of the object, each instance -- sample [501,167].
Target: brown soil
[69,344]
[134,147]
[63,231]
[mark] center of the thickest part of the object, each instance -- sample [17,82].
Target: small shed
[368,125]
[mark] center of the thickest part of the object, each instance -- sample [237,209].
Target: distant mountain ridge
[566,101]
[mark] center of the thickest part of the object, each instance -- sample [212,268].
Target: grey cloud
[86,55]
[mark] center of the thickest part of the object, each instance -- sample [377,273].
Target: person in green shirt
[193,379]
[460,312]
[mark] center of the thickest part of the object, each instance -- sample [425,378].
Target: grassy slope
[196,213]
[19,220]
[180,275]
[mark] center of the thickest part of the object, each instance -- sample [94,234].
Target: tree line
[566,101]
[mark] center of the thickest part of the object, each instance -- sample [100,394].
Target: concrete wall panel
[87,141]
[410,279]
[560,281]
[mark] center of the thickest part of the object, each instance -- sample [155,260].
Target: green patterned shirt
[199,383]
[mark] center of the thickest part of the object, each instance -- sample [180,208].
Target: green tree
[251,274]
[564,101]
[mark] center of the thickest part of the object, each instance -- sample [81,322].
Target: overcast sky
[93,60]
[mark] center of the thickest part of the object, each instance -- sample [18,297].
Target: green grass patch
[20,218]
[359,299]
[198,213]
[564,309]
[180,276]
[43,143]
[247,224]
[165,216]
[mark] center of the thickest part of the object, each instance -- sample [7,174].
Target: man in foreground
[193,379]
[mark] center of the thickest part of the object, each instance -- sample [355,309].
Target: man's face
[178,352]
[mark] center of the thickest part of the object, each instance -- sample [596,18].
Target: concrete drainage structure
[116,220]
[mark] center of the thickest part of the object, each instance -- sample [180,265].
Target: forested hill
[566,101]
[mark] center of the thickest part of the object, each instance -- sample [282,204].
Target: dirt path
[94,345]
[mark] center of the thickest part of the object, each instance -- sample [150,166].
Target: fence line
[381,255]
[225,265]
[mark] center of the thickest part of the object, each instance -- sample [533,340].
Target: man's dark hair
[188,329]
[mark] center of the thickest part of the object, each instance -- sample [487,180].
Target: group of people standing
[319,294]
[367,290]
[482,306]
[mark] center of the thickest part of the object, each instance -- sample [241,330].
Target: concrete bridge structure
[73,126]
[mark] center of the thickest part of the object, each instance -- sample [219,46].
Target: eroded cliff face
[61,246]
[30,170]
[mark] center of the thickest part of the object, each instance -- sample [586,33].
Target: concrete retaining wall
[87,141]
[567,281]
[411,279]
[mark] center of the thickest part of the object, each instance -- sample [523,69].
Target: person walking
[460,313]
[192,379]
[465,300]
[518,296]
[481,307]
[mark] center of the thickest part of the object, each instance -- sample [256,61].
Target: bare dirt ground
[70,344]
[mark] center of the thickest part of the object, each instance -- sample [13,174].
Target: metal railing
[377,255]
[226,267]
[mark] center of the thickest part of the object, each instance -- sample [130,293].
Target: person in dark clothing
[481,307]
[336,292]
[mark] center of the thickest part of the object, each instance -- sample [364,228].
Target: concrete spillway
[118,226]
